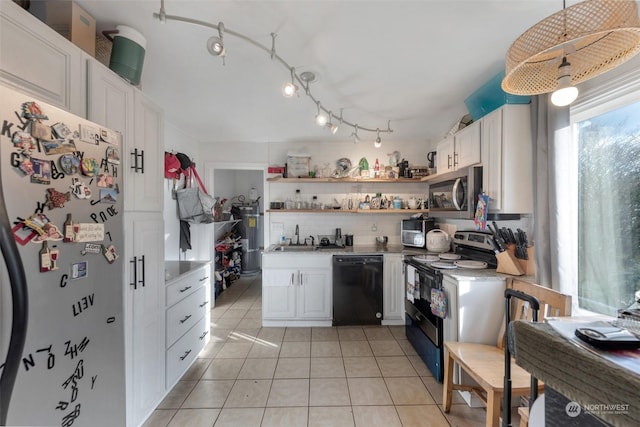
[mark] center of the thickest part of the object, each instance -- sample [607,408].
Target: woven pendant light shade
[595,36]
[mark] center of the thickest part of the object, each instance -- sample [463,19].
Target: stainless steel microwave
[455,194]
[413,231]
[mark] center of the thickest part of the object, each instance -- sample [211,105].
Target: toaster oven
[413,231]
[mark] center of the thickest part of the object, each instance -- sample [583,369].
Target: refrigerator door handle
[134,261]
[142,281]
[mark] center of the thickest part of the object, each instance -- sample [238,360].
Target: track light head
[289,89]
[321,118]
[378,142]
[215,46]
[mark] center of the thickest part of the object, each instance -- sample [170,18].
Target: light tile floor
[249,376]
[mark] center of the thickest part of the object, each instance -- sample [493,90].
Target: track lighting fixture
[332,128]
[162,16]
[289,88]
[355,136]
[378,141]
[566,93]
[215,46]
[321,118]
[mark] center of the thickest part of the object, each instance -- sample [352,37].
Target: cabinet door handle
[134,261]
[448,161]
[204,334]
[204,278]
[184,356]
[185,289]
[137,156]
[204,303]
[142,281]
[187,317]
[455,159]
[300,278]
[291,280]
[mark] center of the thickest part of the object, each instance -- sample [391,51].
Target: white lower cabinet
[144,321]
[296,296]
[393,290]
[188,316]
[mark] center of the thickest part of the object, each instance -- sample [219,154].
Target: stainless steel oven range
[469,297]
[424,330]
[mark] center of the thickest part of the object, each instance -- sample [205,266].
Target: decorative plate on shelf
[343,164]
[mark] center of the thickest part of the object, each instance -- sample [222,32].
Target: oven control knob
[378,315]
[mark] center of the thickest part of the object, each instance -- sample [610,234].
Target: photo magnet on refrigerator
[79,189]
[56,199]
[32,111]
[110,253]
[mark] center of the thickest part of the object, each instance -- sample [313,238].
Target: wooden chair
[485,363]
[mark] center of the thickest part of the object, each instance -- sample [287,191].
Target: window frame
[602,95]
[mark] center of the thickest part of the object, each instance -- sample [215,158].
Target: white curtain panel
[554,190]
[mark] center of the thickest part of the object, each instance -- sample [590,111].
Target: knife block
[508,263]
[527,265]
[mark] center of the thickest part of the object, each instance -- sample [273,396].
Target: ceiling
[409,62]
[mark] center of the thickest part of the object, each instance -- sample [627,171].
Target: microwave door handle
[454,194]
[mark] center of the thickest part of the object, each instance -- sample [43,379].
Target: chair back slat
[552,304]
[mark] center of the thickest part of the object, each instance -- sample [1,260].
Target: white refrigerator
[61,292]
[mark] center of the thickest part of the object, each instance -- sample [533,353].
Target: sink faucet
[297,233]
[312,241]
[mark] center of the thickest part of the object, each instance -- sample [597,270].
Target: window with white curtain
[606,137]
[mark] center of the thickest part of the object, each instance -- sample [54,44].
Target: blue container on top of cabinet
[490,96]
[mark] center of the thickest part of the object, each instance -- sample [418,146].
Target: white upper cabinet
[116,104]
[145,157]
[507,173]
[459,151]
[110,102]
[39,61]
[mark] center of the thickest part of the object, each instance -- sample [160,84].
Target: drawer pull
[204,334]
[204,303]
[185,289]
[186,318]
[204,278]
[184,356]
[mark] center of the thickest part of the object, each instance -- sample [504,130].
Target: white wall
[177,141]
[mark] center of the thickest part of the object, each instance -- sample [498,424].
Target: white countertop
[359,250]
[175,269]
[458,273]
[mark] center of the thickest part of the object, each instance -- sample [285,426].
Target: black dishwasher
[357,290]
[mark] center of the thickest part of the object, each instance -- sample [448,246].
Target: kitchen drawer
[185,350]
[186,313]
[186,286]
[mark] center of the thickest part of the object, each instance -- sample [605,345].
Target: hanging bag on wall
[195,205]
